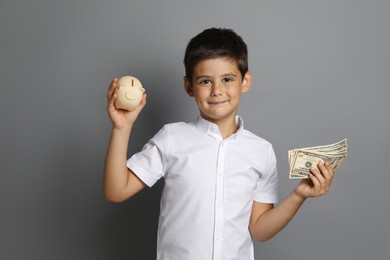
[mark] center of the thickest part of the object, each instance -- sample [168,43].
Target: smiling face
[216,87]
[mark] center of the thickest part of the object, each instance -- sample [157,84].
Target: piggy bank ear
[142,89]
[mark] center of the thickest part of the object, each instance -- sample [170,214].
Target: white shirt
[210,185]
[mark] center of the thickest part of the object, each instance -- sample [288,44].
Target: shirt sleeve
[267,185]
[148,164]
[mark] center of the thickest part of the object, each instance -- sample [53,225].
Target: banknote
[301,160]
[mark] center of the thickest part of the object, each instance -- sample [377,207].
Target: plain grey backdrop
[321,73]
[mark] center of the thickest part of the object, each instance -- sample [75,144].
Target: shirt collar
[208,127]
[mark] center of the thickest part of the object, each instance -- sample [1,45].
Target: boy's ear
[246,82]
[188,86]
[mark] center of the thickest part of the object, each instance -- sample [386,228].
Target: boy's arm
[266,221]
[120,182]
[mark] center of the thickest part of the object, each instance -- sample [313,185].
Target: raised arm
[266,221]
[119,182]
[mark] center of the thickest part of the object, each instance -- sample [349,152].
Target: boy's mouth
[217,103]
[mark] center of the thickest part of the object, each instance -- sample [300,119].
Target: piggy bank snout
[131,95]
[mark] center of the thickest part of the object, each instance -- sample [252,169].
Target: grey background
[321,73]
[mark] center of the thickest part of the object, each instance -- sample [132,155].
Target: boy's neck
[226,127]
[227,131]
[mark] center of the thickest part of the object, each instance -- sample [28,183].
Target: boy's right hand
[120,118]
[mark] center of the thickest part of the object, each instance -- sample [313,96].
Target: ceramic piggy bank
[129,93]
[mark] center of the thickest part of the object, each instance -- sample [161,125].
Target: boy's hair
[215,43]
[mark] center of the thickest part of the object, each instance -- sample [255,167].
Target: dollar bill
[303,159]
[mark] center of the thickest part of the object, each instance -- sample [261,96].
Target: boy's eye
[228,79]
[205,82]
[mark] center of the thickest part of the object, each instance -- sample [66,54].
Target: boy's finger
[112,88]
[320,178]
[316,182]
[111,101]
[143,100]
[142,103]
[326,170]
[330,169]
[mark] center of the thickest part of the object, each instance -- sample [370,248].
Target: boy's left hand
[318,183]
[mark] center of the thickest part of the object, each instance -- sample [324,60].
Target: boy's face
[217,86]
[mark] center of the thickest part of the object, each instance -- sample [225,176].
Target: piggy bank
[129,93]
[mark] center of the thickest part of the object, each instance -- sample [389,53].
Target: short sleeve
[148,164]
[267,185]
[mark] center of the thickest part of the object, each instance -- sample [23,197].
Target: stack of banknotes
[302,159]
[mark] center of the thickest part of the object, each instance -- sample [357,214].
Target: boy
[220,179]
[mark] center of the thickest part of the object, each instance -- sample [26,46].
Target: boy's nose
[217,89]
